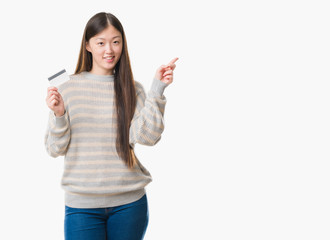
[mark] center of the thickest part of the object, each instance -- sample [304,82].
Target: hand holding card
[55,101]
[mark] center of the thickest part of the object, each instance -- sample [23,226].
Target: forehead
[109,32]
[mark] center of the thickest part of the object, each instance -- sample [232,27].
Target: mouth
[109,59]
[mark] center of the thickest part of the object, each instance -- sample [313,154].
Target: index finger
[173,61]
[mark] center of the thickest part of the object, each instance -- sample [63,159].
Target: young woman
[96,118]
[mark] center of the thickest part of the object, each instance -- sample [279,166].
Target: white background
[245,152]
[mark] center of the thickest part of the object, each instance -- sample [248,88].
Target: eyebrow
[104,38]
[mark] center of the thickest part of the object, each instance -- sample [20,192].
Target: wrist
[158,86]
[59,114]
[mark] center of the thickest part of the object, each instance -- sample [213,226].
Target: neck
[98,71]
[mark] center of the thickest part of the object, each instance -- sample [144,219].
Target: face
[106,48]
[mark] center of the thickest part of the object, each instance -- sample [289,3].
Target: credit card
[58,78]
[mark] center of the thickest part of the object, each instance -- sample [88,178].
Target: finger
[51,102]
[50,92]
[162,68]
[54,97]
[57,94]
[51,89]
[172,66]
[168,78]
[54,102]
[173,61]
[168,72]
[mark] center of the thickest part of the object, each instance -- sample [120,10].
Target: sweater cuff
[60,121]
[158,87]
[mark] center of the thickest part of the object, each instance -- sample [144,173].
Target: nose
[108,48]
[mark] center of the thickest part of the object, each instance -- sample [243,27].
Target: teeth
[109,58]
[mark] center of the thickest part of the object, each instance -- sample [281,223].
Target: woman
[96,118]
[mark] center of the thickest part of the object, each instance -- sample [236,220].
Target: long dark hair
[124,84]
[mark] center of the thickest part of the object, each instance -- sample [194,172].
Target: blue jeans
[125,222]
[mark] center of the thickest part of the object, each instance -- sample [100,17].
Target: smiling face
[106,48]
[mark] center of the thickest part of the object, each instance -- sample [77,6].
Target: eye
[116,42]
[100,43]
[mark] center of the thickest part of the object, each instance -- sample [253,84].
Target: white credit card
[58,78]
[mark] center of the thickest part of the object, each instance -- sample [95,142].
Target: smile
[109,59]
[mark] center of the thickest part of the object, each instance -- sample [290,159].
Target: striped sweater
[94,175]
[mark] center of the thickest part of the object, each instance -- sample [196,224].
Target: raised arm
[147,124]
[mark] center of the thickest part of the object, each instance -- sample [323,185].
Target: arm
[57,136]
[147,124]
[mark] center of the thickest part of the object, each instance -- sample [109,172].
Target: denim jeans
[125,222]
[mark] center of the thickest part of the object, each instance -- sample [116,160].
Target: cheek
[96,51]
[118,50]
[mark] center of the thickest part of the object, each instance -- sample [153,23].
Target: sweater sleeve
[147,124]
[57,135]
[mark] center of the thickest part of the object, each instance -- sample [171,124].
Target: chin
[110,69]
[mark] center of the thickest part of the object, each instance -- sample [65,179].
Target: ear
[88,48]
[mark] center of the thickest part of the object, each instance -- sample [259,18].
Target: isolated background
[245,152]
